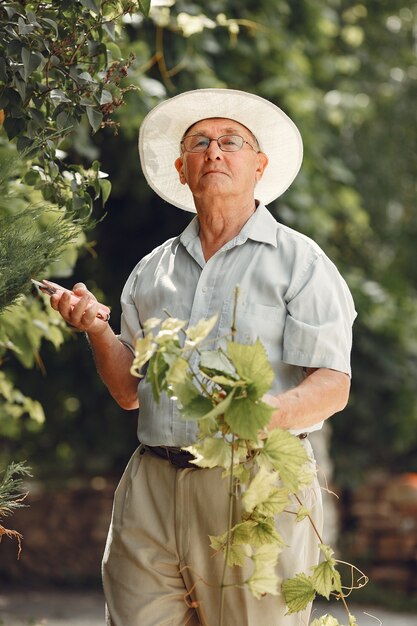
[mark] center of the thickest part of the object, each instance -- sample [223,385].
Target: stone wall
[64,534]
[382,517]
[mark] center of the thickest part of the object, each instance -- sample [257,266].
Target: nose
[213,151]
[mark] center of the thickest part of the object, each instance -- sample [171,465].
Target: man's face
[214,172]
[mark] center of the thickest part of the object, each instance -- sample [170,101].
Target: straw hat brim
[162,130]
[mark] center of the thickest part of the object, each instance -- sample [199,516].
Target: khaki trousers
[158,567]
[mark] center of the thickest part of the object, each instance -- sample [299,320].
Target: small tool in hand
[50,288]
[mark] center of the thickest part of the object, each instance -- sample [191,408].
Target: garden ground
[74,608]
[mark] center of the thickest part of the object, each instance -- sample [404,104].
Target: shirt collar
[261,226]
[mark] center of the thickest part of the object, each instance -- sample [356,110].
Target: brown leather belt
[179,457]
[176,456]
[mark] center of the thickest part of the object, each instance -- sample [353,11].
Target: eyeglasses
[226,143]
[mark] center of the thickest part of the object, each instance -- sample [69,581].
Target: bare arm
[113,359]
[321,394]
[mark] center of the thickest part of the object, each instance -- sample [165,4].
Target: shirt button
[204,290]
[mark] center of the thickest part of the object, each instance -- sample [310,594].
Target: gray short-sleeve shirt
[291,296]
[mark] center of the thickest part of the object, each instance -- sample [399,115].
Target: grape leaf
[264,578]
[251,363]
[285,453]
[184,391]
[259,489]
[237,555]
[155,374]
[177,373]
[169,330]
[264,531]
[196,408]
[144,349]
[196,334]
[302,513]
[275,503]
[221,407]
[246,417]
[150,323]
[215,362]
[211,452]
[242,532]
[298,592]
[326,578]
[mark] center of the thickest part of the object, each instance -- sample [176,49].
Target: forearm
[321,394]
[113,361]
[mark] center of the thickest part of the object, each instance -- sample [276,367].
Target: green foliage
[12,494]
[60,70]
[56,70]
[270,466]
[12,489]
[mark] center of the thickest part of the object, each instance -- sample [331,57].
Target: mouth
[214,172]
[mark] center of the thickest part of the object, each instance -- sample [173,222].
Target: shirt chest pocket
[255,321]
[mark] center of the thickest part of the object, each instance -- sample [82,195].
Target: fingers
[82,314]
[80,288]
[78,311]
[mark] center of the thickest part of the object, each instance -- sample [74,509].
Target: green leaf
[264,531]
[105,186]
[169,330]
[259,489]
[155,374]
[185,391]
[325,577]
[197,408]
[144,349]
[302,513]
[285,453]
[264,578]
[246,417]
[221,407]
[65,121]
[242,532]
[298,592]
[217,542]
[13,126]
[94,117]
[144,7]
[115,51]
[251,363]
[212,452]
[51,23]
[215,362]
[106,97]
[31,61]
[177,372]
[237,555]
[109,28]
[57,96]
[225,381]
[151,323]
[91,5]
[275,503]
[196,334]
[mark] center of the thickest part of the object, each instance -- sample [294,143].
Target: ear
[262,163]
[179,166]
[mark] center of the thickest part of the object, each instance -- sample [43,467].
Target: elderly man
[223,154]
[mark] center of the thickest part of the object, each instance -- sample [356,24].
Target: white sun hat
[164,126]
